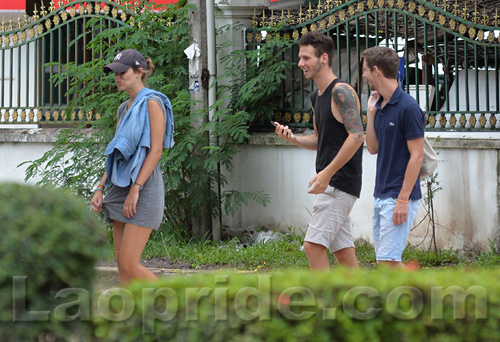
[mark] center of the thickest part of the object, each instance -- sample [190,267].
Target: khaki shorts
[330,224]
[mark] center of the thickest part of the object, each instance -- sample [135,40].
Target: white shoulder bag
[430,162]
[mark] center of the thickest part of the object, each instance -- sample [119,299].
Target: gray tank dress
[151,202]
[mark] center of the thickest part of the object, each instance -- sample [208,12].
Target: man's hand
[285,132]
[372,100]
[400,213]
[371,111]
[319,183]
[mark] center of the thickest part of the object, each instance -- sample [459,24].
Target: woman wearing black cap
[134,201]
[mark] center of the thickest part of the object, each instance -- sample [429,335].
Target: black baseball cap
[125,60]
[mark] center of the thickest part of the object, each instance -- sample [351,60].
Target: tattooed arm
[345,101]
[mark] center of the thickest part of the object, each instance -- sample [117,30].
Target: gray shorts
[150,205]
[330,224]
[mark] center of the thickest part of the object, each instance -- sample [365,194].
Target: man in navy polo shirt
[394,131]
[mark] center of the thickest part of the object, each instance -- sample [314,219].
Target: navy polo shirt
[399,121]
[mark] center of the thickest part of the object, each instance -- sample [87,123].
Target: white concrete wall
[20,145]
[13,154]
[467,208]
[283,172]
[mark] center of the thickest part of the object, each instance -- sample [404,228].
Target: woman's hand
[130,205]
[96,202]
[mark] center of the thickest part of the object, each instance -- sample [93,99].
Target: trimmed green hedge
[340,305]
[48,248]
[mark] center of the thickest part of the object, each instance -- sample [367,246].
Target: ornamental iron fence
[449,54]
[36,48]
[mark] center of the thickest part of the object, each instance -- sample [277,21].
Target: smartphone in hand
[274,123]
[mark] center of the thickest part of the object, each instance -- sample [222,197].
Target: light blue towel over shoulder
[128,149]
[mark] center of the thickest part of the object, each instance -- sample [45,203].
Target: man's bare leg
[318,258]
[347,257]
[316,253]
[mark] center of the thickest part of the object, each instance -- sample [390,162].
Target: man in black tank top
[338,139]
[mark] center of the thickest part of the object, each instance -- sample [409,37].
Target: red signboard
[13,5]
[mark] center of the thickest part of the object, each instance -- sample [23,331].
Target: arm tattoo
[346,100]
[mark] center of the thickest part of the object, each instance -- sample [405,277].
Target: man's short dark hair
[384,58]
[321,43]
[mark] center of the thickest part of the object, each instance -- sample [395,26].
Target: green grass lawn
[287,253]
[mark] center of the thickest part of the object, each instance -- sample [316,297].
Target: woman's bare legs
[129,241]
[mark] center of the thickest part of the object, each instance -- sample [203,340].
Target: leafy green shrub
[256,76]
[50,242]
[340,305]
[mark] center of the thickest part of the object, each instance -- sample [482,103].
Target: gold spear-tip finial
[35,14]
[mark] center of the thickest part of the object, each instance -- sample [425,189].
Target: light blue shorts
[390,240]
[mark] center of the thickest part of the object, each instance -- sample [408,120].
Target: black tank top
[331,137]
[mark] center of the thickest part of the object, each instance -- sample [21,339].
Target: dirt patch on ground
[165,263]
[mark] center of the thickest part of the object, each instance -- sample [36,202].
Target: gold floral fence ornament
[323,14]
